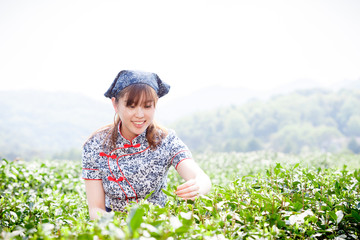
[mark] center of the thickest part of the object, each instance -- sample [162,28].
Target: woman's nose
[139,112]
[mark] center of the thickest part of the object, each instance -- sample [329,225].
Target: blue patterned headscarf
[126,78]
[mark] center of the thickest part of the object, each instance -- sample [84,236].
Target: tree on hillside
[346,111]
[353,126]
[354,146]
[296,138]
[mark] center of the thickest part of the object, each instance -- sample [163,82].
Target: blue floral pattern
[132,170]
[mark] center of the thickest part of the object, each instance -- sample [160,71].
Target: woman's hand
[196,181]
[188,190]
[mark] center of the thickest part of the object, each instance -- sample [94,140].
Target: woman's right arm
[96,198]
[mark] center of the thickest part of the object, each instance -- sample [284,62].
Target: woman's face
[134,118]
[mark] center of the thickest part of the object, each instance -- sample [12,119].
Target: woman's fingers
[190,195]
[185,185]
[188,190]
[193,188]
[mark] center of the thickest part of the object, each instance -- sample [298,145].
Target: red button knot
[115,180]
[130,145]
[102,154]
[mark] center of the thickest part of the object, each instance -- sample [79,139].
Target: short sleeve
[179,151]
[90,160]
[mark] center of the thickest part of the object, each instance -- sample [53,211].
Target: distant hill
[211,98]
[40,124]
[305,120]
[203,100]
[46,124]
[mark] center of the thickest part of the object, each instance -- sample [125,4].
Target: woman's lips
[139,124]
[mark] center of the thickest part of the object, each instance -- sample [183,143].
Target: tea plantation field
[254,196]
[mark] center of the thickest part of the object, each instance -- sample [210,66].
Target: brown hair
[134,93]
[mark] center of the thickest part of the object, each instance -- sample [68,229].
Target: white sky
[81,45]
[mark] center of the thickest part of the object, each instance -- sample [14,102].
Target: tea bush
[258,195]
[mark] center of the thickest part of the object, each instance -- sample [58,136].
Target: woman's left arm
[196,180]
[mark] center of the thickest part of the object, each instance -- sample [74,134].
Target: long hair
[134,93]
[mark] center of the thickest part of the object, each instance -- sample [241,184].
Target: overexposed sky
[81,45]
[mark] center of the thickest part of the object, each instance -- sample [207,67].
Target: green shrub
[254,196]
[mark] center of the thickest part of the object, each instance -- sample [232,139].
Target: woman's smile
[139,124]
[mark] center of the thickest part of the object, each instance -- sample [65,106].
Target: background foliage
[55,125]
[307,120]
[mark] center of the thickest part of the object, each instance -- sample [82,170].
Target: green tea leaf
[355,215]
[168,193]
[135,218]
[149,195]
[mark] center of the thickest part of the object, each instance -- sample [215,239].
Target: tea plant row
[255,196]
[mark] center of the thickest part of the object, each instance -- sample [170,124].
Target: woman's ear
[113,100]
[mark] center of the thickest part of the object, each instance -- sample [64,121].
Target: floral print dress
[132,170]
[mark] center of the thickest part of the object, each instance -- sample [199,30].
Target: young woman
[127,160]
